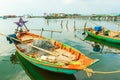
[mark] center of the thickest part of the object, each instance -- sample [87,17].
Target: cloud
[68,6]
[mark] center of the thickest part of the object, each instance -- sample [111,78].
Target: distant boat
[52,55]
[105,35]
[1,17]
[4,17]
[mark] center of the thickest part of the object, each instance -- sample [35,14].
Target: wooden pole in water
[118,30]
[101,49]
[61,24]
[41,31]
[47,21]
[84,28]
[67,25]
[51,33]
[74,26]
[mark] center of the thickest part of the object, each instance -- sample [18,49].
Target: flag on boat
[21,22]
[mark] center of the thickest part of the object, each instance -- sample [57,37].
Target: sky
[38,7]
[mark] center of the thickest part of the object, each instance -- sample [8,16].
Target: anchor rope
[90,71]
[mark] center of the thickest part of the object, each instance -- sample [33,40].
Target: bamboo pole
[41,31]
[74,26]
[47,21]
[51,34]
[61,24]
[46,30]
[118,29]
[52,31]
[67,25]
[84,28]
[26,27]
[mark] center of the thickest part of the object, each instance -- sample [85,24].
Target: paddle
[29,45]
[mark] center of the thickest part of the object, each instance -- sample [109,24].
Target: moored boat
[106,35]
[50,54]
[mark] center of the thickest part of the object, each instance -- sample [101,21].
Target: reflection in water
[36,73]
[96,47]
[108,62]
[99,44]
[10,71]
[13,59]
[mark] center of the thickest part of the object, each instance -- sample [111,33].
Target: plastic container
[98,28]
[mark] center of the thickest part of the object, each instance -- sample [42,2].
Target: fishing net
[45,44]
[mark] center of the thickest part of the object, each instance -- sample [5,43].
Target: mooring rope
[90,71]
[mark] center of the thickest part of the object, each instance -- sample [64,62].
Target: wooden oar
[29,45]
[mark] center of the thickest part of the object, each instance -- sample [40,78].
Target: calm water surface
[9,71]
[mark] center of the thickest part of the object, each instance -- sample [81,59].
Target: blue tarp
[98,28]
[12,40]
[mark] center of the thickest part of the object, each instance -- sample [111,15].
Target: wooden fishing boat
[47,53]
[105,35]
[71,62]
